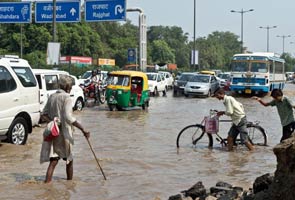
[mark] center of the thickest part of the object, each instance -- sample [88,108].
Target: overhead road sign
[66,11]
[15,12]
[105,10]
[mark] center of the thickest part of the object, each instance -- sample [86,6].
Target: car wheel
[165,92]
[79,104]
[175,93]
[209,93]
[18,132]
[156,93]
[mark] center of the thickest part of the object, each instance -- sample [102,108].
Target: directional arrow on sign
[119,9]
[73,11]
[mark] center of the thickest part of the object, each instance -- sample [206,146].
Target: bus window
[278,67]
[271,67]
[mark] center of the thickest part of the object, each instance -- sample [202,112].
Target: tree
[161,52]
[174,38]
[216,50]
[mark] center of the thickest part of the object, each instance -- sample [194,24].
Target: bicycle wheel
[192,135]
[257,135]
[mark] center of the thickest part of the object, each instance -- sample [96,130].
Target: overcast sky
[215,15]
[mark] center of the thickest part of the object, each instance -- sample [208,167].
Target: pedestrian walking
[285,109]
[59,106]
[235,111]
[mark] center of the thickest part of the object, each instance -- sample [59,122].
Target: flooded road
[138,154]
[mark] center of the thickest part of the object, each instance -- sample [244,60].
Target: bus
[257,73]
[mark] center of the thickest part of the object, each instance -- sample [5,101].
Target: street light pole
[194,52]
[283,36]
[242,25]
[267,40]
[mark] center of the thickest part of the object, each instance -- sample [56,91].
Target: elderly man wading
[59,105]
[235,110]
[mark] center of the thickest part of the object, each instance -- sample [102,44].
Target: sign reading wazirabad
[65,12]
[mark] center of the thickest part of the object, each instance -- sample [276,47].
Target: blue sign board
[68,11]
[15,12]
[105,10]
[131,55]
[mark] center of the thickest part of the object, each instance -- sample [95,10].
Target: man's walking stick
[96,158]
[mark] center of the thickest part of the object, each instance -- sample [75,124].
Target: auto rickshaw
[127,89]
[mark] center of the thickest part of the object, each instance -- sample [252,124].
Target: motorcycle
[93,93]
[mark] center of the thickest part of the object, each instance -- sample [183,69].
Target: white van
[19,100]
[48,84]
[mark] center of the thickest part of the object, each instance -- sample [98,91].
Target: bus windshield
[259,67]
[239,66]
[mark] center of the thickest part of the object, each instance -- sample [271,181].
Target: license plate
[248,91]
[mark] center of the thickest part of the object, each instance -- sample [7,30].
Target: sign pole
[54,21]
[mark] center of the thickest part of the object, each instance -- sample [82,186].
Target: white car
[224,78]
[157,83]
[169,78]
[19,97]
[48,84]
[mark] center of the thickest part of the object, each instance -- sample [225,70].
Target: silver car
[201,85]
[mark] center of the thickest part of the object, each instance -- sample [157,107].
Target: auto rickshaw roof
[128,73]
[133,74]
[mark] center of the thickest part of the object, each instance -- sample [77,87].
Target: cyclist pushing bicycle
[235,111]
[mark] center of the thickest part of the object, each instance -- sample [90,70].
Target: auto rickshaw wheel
[118,108]
[111,107]
[145,105]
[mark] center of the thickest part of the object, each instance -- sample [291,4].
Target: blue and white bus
[255,73]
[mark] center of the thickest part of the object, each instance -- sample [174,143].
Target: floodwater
[138,154]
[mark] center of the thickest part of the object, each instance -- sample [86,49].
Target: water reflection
[137,151]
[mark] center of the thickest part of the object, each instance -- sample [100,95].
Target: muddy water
[137,152]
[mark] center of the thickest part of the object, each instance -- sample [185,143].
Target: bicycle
[192,134]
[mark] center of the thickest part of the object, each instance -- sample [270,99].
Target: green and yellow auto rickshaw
[127,89]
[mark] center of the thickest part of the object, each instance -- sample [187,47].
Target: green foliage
[289,62]
[165,44]
[216,51]
[161,53]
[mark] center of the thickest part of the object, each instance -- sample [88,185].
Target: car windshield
[86,75]
[185,77]
[118,80]
[26,76]
[200,79]
[152,77]
[224,76]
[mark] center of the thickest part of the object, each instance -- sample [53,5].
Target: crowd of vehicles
[26,91]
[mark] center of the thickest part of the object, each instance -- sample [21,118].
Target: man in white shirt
[235,110]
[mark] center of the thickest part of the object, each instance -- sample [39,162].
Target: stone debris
[277,186]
